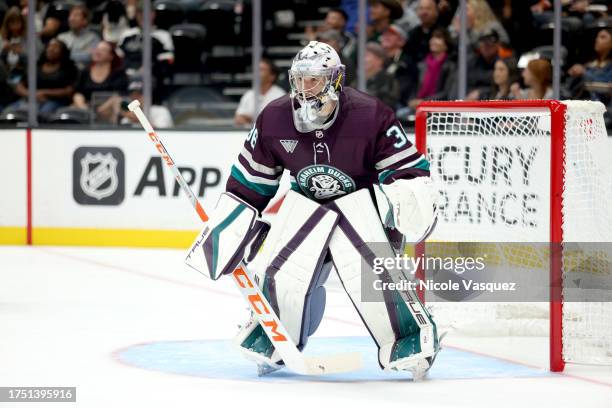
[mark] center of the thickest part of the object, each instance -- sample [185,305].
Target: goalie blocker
[232,234]
[305,240]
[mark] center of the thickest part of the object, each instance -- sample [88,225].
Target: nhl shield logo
[98,176]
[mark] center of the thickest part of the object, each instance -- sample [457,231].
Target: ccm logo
[161,148]
[256,302]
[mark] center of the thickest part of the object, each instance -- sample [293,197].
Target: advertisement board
[13,196]
[111,188]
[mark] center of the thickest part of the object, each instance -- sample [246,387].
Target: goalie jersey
[364,146]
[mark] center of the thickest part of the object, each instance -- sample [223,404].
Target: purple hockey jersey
[365,145]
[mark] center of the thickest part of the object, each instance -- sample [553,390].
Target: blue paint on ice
[220,359]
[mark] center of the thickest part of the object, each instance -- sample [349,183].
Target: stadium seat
[547,51]
[200,106]
[227,59]
[571,36]
[219,18]
[69,115]
[14,116]
[168,13]
[189,42]
[604,22]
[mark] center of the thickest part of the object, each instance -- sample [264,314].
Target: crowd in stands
[90,52]
[412,55]
[91,68]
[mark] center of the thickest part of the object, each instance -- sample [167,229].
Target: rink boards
[111,188]
[93,187]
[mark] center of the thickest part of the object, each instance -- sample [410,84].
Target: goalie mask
[316,78]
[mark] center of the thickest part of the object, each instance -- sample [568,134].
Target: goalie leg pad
[222,243]
[315,302]
[290,266]
[400,325]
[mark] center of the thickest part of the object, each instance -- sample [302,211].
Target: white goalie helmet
[316,77]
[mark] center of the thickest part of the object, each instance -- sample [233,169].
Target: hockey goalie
[343,149]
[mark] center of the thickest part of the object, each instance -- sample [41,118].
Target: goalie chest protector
[363,142]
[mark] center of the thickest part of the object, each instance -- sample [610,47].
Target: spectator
[351,8]
[410,19]
[13,26]
[580,10]
[268,74]
[6,93]
[505,74]
[382,14]
[517,19]
[538,78]
[595,76]
[481,63]
[446,11]
[56,75]
[114,21]
[48,22]
[160,116]
[334,39]
[80,39]
[13,35]
[335,20]
[130,49]
[437,70]
[378,82]
[400,64]
[15,60]
[480,20]
[105,74]
[417,45]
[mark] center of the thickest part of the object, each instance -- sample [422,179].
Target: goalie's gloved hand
[227,237]
[413,205]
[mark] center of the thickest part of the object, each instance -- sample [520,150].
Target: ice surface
[135,328]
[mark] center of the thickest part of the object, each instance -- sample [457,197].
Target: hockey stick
[273,327]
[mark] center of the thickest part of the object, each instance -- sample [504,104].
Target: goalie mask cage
[525,171]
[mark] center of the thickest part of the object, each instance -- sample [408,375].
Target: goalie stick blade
[338,363]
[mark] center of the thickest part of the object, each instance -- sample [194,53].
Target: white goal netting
[493,166]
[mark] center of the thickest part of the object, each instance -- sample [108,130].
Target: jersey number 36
[252,137]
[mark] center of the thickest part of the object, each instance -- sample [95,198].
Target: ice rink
[135,328]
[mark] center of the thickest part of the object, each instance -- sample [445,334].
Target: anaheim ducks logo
[321,182]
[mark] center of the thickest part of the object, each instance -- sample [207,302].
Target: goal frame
[558,112]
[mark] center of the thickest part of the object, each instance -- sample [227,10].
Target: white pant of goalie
[305,240]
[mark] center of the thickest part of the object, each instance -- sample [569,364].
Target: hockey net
[526,172]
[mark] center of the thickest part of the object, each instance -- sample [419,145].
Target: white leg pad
[388,315]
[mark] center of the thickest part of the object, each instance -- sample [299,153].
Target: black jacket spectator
[400,65]
[378,82]
[116,81]
[384,87]
[56,75]
[481,63]
[105,74]
[130,49]
[6,93]
[417,45]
